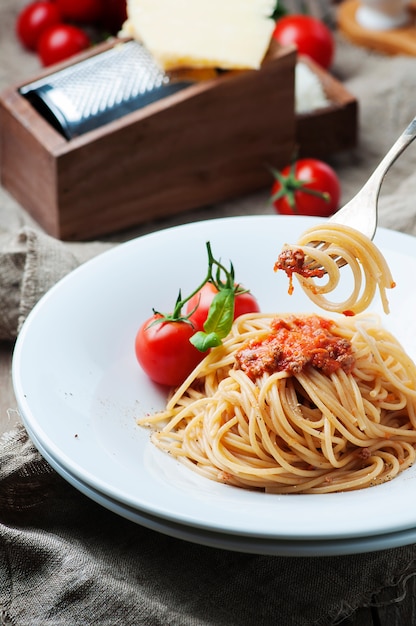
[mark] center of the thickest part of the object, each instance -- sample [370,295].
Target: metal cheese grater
[100,89]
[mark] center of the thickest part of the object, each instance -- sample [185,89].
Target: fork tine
[322,246]
[361,211]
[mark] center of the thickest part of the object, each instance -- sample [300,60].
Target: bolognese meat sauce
[293,344]
[294,262]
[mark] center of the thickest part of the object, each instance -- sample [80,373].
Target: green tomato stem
[290,185]
[221,311]
[211,276]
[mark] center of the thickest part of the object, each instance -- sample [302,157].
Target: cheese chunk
[227,34]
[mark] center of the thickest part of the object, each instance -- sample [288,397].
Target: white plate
[239,543]
[80,389]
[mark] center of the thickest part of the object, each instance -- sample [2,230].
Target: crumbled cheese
[228,34]
[309,93]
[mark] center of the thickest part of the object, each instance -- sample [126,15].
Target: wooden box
[330,129]
[212,141]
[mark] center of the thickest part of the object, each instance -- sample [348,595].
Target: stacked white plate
[80,391]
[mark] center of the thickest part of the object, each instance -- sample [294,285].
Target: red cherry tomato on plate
[307,187]
[165,352]
[311,37]
[84,11]
[34,19]
[201,301]
[61,42]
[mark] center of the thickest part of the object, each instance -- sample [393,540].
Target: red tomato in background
[243,303]
[34,19]
[114,15]
[61,42]
[165,352]
[311,37]
[84,11]
[305,174]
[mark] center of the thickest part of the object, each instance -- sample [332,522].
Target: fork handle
[406,138]
[367,197]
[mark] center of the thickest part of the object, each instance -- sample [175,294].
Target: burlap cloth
[66,561]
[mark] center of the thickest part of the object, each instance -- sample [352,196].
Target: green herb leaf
[221,313]
[204,341]
[218,323]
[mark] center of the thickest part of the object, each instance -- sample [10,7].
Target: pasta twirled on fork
[319,274]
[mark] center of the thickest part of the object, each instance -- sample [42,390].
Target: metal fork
[361,212]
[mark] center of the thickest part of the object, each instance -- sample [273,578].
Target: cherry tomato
[164,351]
[85,11]
[311,37]
[307,187]
[60,42]
[34,19]
[243,303]
[114,15]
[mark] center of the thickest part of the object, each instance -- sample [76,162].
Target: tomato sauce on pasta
[296,430]
[302,403]
[294,343]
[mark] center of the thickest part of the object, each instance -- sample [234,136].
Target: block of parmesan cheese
[226,34]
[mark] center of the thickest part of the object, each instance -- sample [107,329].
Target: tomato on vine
[169,346]
[306,187]
[198,306]
[164,351]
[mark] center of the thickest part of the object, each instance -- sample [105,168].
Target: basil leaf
[204,341]
[221,313]
[218,323]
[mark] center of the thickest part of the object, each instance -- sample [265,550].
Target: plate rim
[120,249]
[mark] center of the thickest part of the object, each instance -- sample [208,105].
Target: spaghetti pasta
[311,264]
[341,417]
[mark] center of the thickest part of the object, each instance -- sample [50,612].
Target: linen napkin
[67,561]
[31,262]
